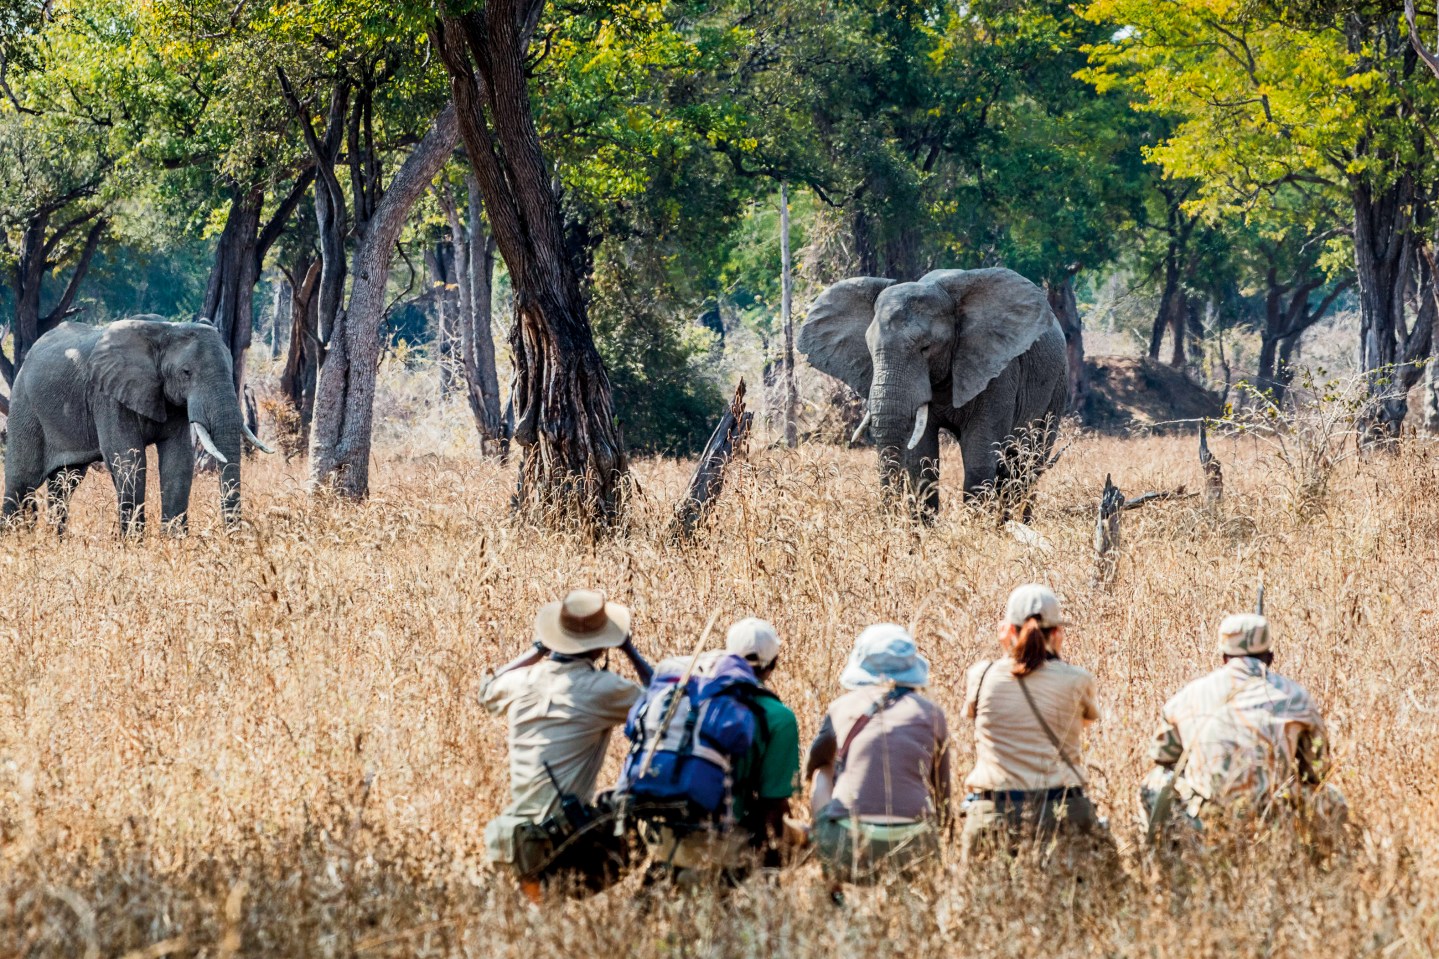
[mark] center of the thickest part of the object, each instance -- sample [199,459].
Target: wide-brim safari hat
[885,654]
[582,622]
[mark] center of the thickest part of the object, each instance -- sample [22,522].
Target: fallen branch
[1157,497]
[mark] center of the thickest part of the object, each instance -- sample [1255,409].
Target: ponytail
[1031,648]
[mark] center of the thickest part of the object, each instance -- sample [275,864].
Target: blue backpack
[712,726]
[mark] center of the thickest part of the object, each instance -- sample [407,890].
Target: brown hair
[1031,648]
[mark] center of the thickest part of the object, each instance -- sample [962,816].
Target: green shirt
[770,769]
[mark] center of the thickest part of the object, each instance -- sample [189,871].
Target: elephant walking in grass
[976,352]
[90,394]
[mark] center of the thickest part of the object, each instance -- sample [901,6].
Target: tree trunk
[1382,255]
[573,464]
[1066,309]
[345,392]
[481,371]
[474,251]
[791,389]
[36,260]
[279,322]
[302,357]
[440,264]
[229,297]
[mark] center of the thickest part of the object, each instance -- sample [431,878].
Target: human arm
[1166,747]
[1089,702]
[493,692]
[819,766]
[640,665]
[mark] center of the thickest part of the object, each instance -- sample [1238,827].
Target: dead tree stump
[1213,473]
[727,441]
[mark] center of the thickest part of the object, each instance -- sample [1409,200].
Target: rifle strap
[1053,739]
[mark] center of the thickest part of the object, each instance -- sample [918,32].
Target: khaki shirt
[560,712]
[1011,751]
[1245,728]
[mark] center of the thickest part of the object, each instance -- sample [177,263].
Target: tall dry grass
[266,742]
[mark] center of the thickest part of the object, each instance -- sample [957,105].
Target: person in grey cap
[1030,709]
[1243,739]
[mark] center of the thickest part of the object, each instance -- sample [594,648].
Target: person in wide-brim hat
[582,622]
[561,706]
[885,654]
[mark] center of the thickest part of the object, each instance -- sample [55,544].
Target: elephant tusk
[859,430]
[254,439]
[921,420]
[209,444]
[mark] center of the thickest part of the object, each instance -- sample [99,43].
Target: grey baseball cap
[1034,599]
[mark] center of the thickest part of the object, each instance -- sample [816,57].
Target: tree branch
[82,266]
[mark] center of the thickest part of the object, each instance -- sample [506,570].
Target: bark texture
[345,390]
[573,464]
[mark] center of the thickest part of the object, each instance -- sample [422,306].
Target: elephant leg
[22,504]
[127,472]
[61,484]
[911,476]
[177,472]
[981,450]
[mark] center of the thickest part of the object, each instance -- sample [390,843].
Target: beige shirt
[560,712]
[1244,733]
[1011,750]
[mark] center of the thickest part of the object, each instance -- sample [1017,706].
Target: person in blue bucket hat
[880,763]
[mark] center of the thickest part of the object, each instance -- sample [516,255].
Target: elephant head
[163,370]
[906,346]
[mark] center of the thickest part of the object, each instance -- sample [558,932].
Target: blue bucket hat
[883,654]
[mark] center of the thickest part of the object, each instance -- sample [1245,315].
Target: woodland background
[1232,189]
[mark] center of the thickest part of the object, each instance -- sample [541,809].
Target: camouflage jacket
[1249,733]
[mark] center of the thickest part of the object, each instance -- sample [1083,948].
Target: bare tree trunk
[1066,309]
[40,241]
[345,392]
[230,294]
[573,464]
[302,358]
[279,322]
[1383,253]
[447,307]
[474,254]
[791,389]
[481,372]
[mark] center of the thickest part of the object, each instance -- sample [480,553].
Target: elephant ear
[125,364]
[1001,314]
[832,338]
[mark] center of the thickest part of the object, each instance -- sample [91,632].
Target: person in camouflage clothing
[1243,740]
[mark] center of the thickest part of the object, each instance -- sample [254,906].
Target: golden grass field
[266,743]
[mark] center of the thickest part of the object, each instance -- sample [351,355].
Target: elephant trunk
[899,423]
[221,423]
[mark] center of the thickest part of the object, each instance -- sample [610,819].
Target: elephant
[976,352]
[88,394]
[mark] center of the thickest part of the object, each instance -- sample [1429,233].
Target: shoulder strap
[979,686]
[1053,739]
[877,707]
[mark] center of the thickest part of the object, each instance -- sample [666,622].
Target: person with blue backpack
[880,764]
[711,770]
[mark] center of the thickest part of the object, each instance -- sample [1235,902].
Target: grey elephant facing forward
[89,394]
[976,352]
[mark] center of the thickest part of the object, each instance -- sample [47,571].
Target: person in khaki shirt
[561,708]
[1030,709]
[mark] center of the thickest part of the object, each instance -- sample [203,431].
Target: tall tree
[573,460]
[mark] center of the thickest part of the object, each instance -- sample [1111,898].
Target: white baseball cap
[1035,600]
[755,640]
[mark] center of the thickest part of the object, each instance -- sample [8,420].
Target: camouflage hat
[1244,634]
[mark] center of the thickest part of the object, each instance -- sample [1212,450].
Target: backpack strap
[1053,739]
[877,707]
